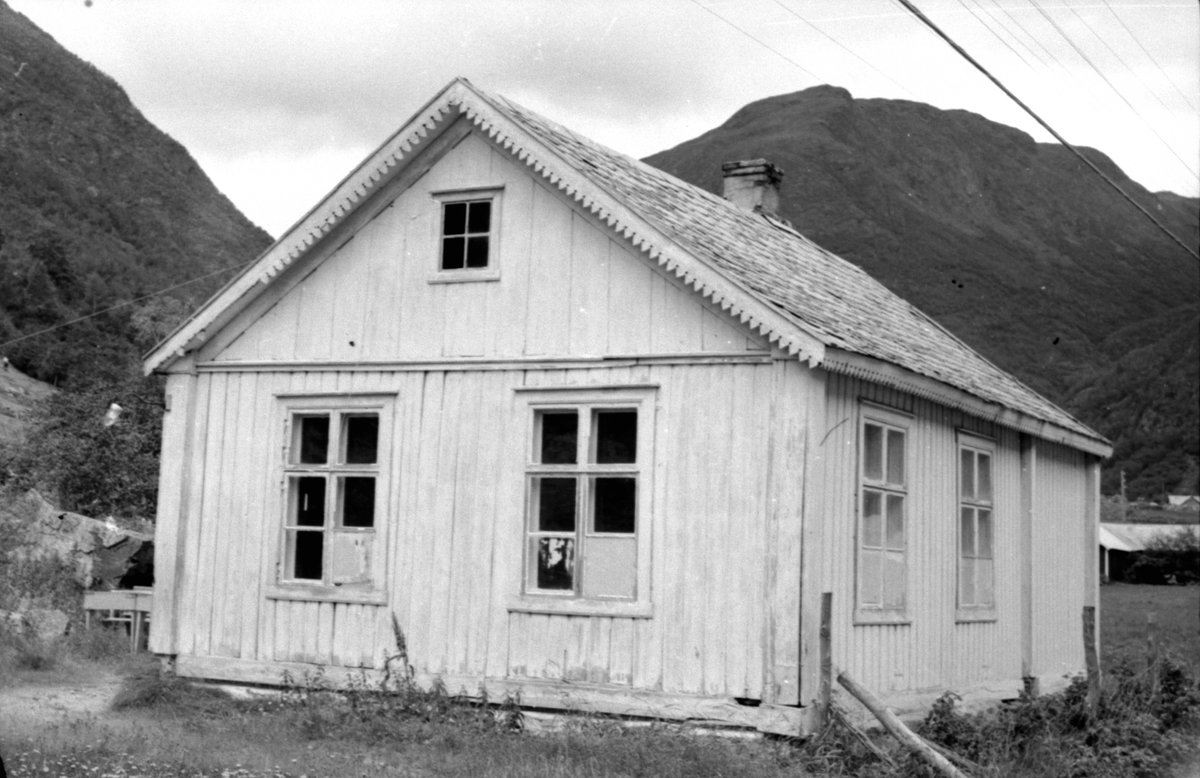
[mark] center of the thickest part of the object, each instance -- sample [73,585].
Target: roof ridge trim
[791,336]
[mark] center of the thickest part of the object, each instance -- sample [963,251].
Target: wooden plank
[719,531]
[684,648]
[1028,503]
[422,645]
[787,490]
[441,563]
[405,519]
[622,649]
[589,288]
[283,628]
[325,627]
[534,693]
[629,300]
[201,606]
[231,578]
[173,510]
[548,307]
[463,483]
[493,446]
[814,520]
[258,521]
[388,280]
[599,650]
[507,322]
[509,523]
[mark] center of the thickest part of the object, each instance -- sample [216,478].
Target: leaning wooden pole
[892,723]
[1092,660]
[826,688]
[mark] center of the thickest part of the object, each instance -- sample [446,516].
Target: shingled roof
[828,301]
[830,297]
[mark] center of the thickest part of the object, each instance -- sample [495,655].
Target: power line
[845,49]
[1120,59]
[60,325]
[997,36]
[1148,54]
[1116,91]
[758,41]
[929,23]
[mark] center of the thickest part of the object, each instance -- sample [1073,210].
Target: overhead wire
[118,306]
[1117,16]
[997,35]
[963,52]
[759,41]
[1119,57]
[845,48]
[1106,80]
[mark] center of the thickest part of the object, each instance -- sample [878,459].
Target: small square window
[466,234]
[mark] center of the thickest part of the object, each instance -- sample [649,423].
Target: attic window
[466,230]
[468,246]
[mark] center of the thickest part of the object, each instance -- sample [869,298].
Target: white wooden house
[592,434]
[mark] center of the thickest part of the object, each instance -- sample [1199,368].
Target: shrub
[1168,559]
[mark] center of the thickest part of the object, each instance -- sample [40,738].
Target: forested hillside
[97,207]
[1013,245]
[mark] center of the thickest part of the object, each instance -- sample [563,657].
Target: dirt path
[26,708]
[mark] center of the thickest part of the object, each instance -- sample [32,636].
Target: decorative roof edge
[779,328]
[887,374]
[356,187]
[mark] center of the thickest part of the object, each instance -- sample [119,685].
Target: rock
[47,625]
[99,550]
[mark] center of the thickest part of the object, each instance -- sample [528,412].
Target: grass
[160,727]
[1123,621]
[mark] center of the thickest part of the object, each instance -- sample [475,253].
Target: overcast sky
[278,99]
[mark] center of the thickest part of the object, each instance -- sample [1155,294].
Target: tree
[87,465]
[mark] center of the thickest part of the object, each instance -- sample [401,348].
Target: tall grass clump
[1148,719]
[394,708]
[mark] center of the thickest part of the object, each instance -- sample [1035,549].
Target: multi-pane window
[584,492]
[332,479]
[976,526]
[466,234]
[883,497]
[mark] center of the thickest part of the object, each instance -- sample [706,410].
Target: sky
[278,99]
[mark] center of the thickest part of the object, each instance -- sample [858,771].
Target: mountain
[97,207]
[1013,245]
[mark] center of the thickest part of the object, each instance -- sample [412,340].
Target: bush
[1147,720]
[1168,559]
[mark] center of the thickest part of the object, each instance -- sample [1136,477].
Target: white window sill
[573,607]
[969,615]
[863,617]
[464,276]
[320,593]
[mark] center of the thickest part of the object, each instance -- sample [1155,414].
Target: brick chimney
[752,185]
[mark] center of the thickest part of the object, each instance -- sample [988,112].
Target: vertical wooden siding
[568,286]
[1059,579]
[933,650]
[453,531]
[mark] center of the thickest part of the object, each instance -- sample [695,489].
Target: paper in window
[556,563]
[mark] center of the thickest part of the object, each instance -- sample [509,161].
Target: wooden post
[1152,650]
[894,725]
[826,688]
[1092,660]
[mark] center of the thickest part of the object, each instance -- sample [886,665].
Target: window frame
[490,272]
[289,469]
[977,444]
[587,401]
[893,420]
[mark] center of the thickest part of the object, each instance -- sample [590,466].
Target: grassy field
[168,729]
[1124,609]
